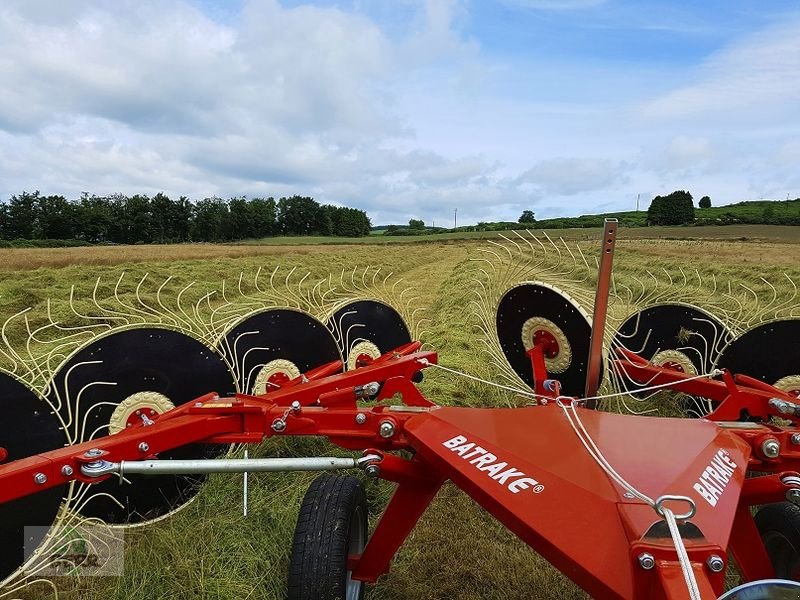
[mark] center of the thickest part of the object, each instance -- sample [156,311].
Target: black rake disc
[28,427]
[768,352]
[529,308]
[364,324]
[678,336]
[123,366]
[260,345]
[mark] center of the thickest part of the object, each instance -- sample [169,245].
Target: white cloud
[760,73]
[568,176]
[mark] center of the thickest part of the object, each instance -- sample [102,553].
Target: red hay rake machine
[140,416]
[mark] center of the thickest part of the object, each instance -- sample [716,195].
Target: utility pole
[637,202]
[455,218]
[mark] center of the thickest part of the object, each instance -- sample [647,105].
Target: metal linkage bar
[224,465]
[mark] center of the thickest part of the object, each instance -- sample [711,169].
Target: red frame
[556,498]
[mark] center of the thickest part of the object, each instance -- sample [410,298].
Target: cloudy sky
[404,108]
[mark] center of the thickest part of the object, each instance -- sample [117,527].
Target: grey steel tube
[230,465]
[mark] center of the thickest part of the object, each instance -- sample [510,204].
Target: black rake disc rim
[150,359]
[528,300]
[28,427]
[274,334]
[767,352]
[371,321]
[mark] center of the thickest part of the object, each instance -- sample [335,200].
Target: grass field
[209,550]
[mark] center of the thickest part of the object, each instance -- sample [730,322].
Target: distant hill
[751,212]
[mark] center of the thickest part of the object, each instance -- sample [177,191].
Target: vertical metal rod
[246,456]
[600,309]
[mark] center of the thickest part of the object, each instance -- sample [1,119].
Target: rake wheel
[274,346]
[768,352]
[679,336]
[535,312]
[122,380]
[28,427]
[365,329]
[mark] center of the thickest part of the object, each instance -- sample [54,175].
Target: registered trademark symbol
[538,489]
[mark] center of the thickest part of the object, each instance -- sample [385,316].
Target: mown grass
[457,551]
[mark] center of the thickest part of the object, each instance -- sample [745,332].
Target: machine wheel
[332,524]
[779,526]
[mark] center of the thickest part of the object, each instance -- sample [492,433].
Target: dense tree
[705,202]
[674,209]
[263,213]
[140,219]
[527,216]
[416,224]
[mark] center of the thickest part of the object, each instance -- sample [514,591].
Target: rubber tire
[779,526]
[333,510]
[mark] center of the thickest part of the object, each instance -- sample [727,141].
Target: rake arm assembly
[536,469]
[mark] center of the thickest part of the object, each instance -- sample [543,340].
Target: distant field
[457,552]
[31,258]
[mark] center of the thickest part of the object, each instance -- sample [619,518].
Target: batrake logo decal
[714,479]
[483,460]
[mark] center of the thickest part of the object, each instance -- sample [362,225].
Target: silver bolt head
[295,405]
[198,405]
[646,561]
[361,418]
[144,447]
[796,439]
[793,496]
[40,478]
[278,425]
[67,471]
[372,470]
[386,429]
[715,563]
[94,452]
[771,448]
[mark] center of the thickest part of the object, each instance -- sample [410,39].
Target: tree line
[140,219]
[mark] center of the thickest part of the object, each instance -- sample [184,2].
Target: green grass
[457,551]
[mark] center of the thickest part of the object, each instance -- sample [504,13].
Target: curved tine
[669,277]
[246,382]
[91,497]
[306,295]
[685,280]
[255,281]
[556,248]
[60,327]
[510,241]
[186,318]
[337,324]
[12,354]
[757,300]
[78,435]
[772,301]
[739,318]
[346,336]
[583,257]
[109,314]
[510,256]
[486,260]
[166,311]
[141,302]
[238,365]
[493,253]
[134,312]
[635,328]
[791,298]
[91,408]
[250,376]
